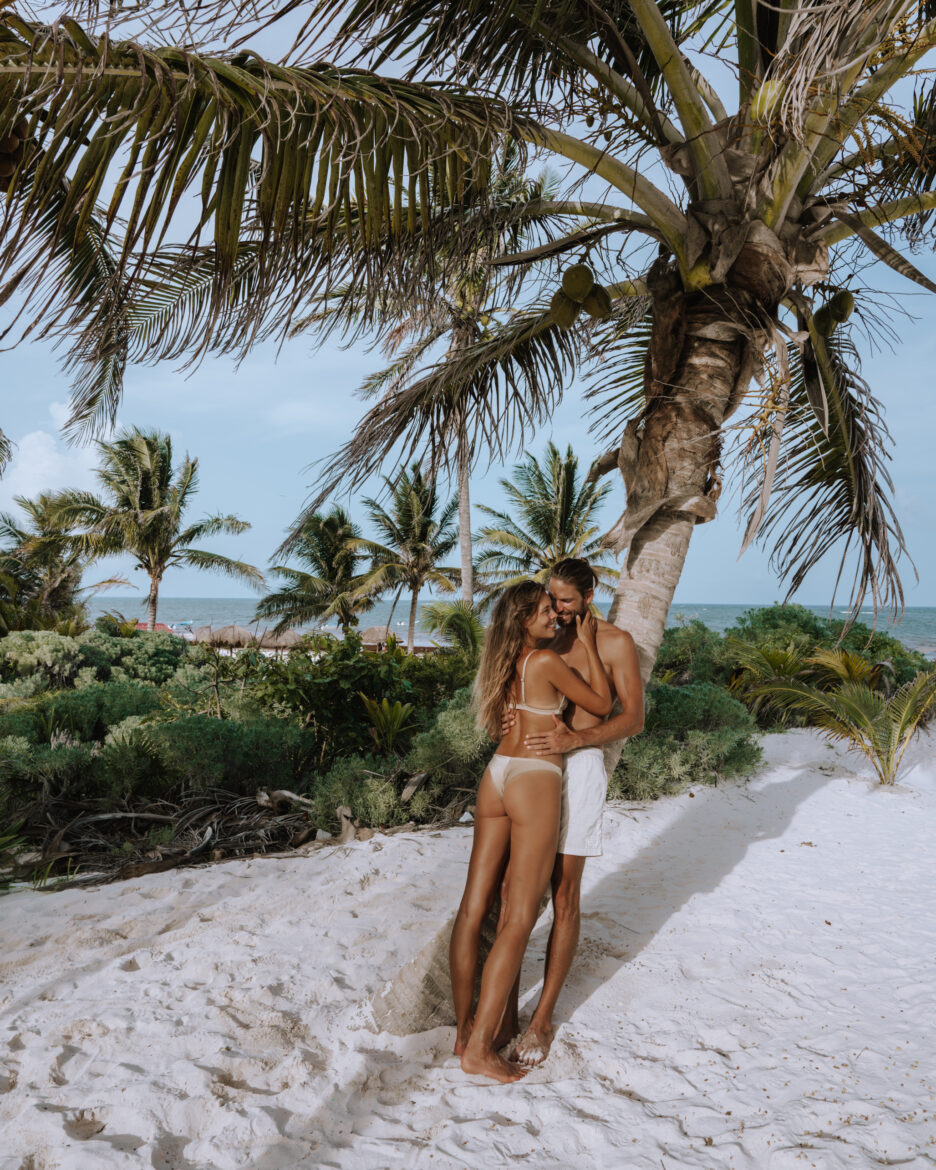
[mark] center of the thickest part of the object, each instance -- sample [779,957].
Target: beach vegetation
[850,710]
[458,622]
[390,723]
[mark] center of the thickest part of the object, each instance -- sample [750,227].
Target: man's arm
[625,676]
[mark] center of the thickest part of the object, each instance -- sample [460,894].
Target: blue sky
[256,428]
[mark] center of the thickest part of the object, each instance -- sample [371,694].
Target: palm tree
[142,513]
[415,540]
[755,258]
[550,516]
[776,191]
[328,590]
[41,558]
[459,307]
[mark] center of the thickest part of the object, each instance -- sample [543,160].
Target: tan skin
[524,823]
[580,728]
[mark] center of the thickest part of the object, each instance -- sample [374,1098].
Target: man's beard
[568,619]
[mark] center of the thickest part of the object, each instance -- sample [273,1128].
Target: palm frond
[833,489]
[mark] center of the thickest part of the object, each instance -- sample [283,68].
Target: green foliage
[696,734]
[458,622]
[692,653]
[852,711]
[52,658]
[368,785]
[87,713]
[454,749]
[390,722]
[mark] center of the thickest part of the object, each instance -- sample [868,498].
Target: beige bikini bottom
[503,768]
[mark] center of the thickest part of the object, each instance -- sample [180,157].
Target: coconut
[9,144]
[577,282]
[7,166]
[598,303]
[824,321]
[564,309]
[841,306]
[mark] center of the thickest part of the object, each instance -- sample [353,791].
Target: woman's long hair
[503,642]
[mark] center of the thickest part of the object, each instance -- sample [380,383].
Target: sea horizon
[916,628]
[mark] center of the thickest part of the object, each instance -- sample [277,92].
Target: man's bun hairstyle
[575,571]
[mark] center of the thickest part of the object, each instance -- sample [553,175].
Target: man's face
[567,601]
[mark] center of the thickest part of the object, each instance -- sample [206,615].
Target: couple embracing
[549,676]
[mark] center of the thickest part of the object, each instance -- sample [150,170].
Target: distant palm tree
[328,590]
[143,513]
[40,559]
[458,622]
[551,517]
[415,541]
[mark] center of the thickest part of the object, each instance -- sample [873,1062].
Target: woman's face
[543,623]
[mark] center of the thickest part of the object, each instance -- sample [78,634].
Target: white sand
[754,988]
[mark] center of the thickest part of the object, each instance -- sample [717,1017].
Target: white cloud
[42,462]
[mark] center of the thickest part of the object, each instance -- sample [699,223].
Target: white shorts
[584,789]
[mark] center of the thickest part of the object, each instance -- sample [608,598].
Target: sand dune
[755,989]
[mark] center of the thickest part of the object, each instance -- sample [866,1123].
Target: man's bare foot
[461,1036]
[534,1045]
[505,1033]
[489,1064]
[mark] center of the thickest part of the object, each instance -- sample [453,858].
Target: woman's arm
[595,699]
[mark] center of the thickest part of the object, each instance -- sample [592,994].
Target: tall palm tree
[415,540]
[41,557]
[757,240]
[776,191]
[142,513]
[329,588]
[550,516]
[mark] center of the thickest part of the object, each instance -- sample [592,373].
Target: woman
[517,809]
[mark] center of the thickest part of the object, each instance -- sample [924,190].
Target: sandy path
[755,989]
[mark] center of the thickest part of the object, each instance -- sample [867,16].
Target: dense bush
[692,653]
[84,714]
[324,693]
[697,734]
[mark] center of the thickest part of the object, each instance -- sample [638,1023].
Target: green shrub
[199,753]
[41,654]
[369,785]
[145,657]
[453,749]
[697,734]
[692,653]
[86,713]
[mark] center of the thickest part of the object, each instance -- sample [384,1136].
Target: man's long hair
[503,644]
[577,572]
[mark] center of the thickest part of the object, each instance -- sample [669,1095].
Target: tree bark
[464,521]
[151,603]
[411,634]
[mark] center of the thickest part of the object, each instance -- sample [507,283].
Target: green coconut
[577,282]
[9,144]
[564,309]
[824,321]
[598,303]
[841,306]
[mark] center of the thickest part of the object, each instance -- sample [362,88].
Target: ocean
[917,628]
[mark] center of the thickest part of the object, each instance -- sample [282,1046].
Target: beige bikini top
[523,705]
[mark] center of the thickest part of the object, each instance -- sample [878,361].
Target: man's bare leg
[533,1046]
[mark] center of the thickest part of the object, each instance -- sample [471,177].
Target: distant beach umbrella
[375,635]
[201,633]
[231,636]
[269,640]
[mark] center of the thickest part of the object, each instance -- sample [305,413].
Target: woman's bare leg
[485,869]
[532,803]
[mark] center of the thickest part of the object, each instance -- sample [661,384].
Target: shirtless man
[584,787]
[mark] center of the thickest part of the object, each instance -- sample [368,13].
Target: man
[580,740]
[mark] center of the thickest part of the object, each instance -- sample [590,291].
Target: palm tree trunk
[464,521]
[151,602]
[414,605]
[694,383]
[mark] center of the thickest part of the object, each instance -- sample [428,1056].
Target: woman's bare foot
[534,1045]
[489,1064]
[462,1035]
